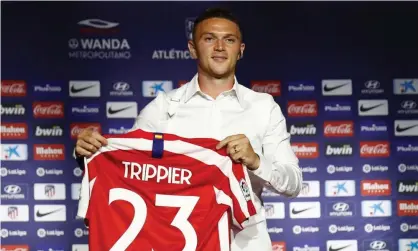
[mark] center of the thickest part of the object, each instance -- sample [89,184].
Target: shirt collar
[193,88]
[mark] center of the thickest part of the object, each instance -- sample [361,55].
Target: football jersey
[156,192]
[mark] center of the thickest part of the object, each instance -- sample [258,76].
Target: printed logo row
[366,168]
[273,210]
[331,129]
[42,233]
[55,109]
[347,188]
[310,189]
[295,109]
[368,228]
[313,209]
[344,229]
[48,173]
[404,244]
[41,172]
[41,191]
[44,247]
[150,88]
[335,87]
[368,149]
[82,89]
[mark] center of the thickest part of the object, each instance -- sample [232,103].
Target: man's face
[217,46]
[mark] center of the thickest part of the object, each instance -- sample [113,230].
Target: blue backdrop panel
[344,74]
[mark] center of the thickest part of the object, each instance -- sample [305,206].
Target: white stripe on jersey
[224,233]
[222,198]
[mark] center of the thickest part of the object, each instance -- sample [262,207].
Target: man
[214,105]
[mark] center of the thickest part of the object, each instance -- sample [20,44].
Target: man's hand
[88,142]
[239,148]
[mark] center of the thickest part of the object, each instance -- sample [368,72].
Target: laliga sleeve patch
[158,145]
[245,189]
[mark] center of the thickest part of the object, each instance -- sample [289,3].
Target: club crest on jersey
[245,189]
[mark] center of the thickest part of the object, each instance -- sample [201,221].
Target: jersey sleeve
[84,198]
[87,184]
[242,196]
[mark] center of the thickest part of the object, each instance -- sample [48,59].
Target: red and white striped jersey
[155,192]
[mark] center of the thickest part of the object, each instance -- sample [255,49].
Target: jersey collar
[193,88]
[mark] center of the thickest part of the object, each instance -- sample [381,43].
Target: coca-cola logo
[338,128]
[279,246]
[48,110]
[271,87]
[77,128]
[302,108]
[183,82]
[14,248]
[11,88]
[374,149]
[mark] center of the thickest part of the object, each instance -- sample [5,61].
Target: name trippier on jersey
[148,172]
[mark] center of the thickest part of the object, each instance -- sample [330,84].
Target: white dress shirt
[188,112]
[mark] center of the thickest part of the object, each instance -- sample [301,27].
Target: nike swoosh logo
[75,90]
[111,111]
[39,214]
[336,249]
[294,211]
[365,109]
[328,89]
[402,129]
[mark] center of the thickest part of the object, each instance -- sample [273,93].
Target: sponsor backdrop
[344,74]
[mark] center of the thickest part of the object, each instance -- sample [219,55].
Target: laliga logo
[98,23]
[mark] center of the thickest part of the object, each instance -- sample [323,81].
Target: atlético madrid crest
[189,23]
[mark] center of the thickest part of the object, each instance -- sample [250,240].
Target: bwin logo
[377,245]
[98,23]
[339,150]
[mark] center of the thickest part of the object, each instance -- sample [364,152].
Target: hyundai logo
[372,84]
[121,86]
[377,245]
[12,189]
[340,207]
[408,104]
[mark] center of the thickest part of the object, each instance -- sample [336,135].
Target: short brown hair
[216,13]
